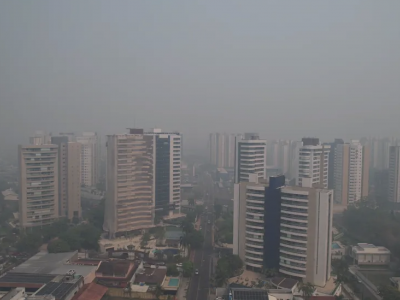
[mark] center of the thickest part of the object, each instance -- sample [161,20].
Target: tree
[89,236]
[130,247]
[388,292]
[187,268]
[58,246]
[199,210]
[194,239]
[227,267]
[172,270]
[96,215]
[307,290]
[158,291]
[191,201]
[29,242]
[217,210]
[160,255]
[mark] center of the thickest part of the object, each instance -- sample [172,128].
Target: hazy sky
[283,68]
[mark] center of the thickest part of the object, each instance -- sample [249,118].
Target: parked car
[179,265]
[196,272]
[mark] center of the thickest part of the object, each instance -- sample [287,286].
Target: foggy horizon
[283,69]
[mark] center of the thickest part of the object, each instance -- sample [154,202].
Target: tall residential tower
[90,158]
[130,196]
[167,172]
[313,162]
[38,185]
[351,172]
[394,174]
[250,157]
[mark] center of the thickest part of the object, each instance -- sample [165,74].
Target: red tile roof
[91,291]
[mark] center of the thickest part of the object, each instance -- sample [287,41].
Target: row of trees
[227,267]
[191,237]
[61,236]
[378,226]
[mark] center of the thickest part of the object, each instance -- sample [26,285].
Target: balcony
[293,231]
[299,246]
[294,238]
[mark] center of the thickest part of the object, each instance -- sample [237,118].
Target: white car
[179,265]
[196,272]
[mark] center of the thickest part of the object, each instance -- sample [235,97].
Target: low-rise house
[368,254]
[115,273]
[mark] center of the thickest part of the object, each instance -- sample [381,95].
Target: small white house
[368,254]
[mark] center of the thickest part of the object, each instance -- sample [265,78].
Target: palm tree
[158,291]
[307,289]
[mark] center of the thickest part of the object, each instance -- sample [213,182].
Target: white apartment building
[90,158]
[313,162]
[40,138]
[168,151]
[394,174]
[248,224]
[306,233]
[250,157]
[38,185]
[130,196]
[222,149]
[351,172]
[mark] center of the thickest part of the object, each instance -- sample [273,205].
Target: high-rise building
[90,158]
[313,162]
[250,157]
[69,177]
[222,149]
[283,227]
[38,185]
[351,172]
[306,233]
[167,172]
[40,138]
[331,162]
[394,174]
[130,196]
[248,221]
[294,161]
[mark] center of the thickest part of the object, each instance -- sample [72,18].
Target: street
[200,284]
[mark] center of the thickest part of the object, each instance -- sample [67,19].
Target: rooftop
[151,276]
[59,287]
[248,294]
[90,291]
[114,268]
[370,248]
[13,279]
[45,263]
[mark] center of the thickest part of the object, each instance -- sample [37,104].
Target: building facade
[351,172]
[306,233]
[250,157]
[284,228]
[130,196]
[38,185]
[331,162]
[69,177]
[248,224]
[167,172]
[90,158]
[394,174]
[313,162]
[222,149]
